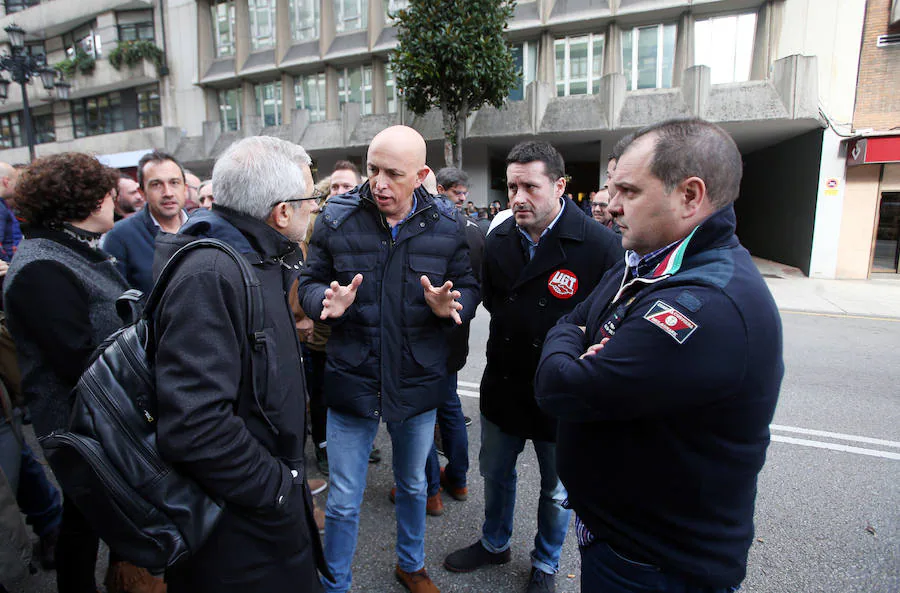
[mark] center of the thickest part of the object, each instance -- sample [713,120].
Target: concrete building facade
[779,75]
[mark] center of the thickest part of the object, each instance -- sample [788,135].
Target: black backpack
[107,461]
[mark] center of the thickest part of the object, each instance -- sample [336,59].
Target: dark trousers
[76,552]
[603,570]
[314,366]
[38,499]
[455,439]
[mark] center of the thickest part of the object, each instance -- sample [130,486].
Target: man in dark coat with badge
[538,266]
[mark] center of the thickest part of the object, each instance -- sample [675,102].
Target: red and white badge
[563,284]
[671,320]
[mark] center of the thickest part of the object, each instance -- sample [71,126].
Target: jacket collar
[266,241]
[571,226]
[58,236]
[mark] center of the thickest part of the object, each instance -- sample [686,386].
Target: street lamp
[22,68]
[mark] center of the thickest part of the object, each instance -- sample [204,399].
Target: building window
[648,56]
[44,128]
[149,112]
[223,27]
[350,15]
[84,38]
[36,49]
[262,24]
[19,5]
[309,94]
[230,109]
[579,65]
[135,25]
[525,58]
[725,44]
[304,15]
[268,102]
[391,92]
[102,114]
[10,130]
[392,6]
[355,86]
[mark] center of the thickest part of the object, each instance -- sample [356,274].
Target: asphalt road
[828,509]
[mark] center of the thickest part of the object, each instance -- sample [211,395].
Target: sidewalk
[877,297]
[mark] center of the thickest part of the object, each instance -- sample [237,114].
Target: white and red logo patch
[671,320]
[563,284]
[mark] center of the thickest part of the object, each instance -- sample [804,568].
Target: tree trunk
[460,134]
[449,129]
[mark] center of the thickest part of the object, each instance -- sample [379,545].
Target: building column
[332,107]
[379,98]
[684,48]
[206,51]
[241,34]
[546,66]
[612,51]
[326,26]
[287,98]
[765,41]
[282,29]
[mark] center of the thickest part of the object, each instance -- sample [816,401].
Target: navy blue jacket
[10,232]
[664,431]
[132,242]
[525,299]
[387,353]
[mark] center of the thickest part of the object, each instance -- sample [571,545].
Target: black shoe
[374,455]
[541,582]
[47,550]
[473,557]
[467,420]
[322,459]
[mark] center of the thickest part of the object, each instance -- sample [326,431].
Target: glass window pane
[517,93]
[596,63]
[561,74]
[304,15]
[262,24]
[647,48]
[668,55]
[530,62]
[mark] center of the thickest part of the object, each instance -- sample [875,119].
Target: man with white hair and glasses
[244,449]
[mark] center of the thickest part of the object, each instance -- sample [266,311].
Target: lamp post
[22,68]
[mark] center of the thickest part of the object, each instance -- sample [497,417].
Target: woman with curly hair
[60,298]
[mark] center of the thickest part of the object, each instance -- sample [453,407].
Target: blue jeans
[499,452]
[350,439]
[603,570]
[452,425]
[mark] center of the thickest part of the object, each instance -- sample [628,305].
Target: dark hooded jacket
[210,424]
[387,354]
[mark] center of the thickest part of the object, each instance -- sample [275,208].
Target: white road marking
[835,435]
[835,447]
[782,439]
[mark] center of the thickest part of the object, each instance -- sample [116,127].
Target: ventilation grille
[888,40]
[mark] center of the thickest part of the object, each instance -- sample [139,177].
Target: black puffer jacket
[388,353]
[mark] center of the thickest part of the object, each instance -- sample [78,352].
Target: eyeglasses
[599,204]
[316,195]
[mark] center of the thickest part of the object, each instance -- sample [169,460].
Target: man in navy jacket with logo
[537,266]
[666,378]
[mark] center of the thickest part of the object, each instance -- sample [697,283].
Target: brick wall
[878,87]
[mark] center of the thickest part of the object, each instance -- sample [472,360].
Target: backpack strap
[259,347]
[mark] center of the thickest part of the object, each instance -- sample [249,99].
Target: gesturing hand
[338,298]
[443,300]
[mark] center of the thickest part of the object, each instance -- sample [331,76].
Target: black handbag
[107,461]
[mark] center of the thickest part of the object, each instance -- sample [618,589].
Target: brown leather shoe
[124,577]
[434,506]
[415,582]
[460,494]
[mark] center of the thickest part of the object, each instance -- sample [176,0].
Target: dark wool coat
[211,426]
[525,299]
[387,354]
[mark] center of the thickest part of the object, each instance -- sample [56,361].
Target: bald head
[8,177]
[396,167]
